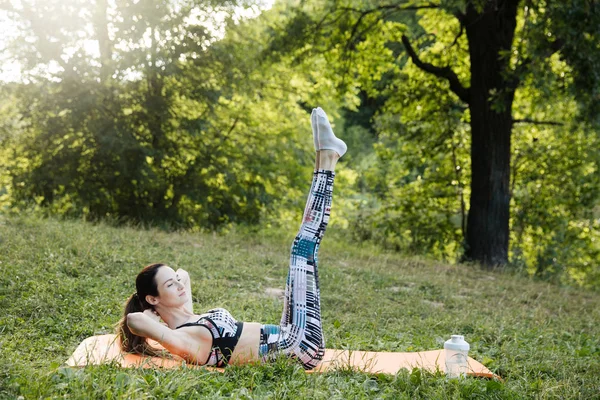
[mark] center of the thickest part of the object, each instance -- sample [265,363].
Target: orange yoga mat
[105,348]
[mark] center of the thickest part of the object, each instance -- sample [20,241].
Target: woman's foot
[323,135]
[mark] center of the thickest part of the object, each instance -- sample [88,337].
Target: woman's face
[171,291]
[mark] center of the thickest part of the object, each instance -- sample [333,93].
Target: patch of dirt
[434,304]
[276,293]
[396,289]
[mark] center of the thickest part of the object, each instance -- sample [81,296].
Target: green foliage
[414,187]
[182,122]
[573,27]
[63,281]
[179,132]
[554,223]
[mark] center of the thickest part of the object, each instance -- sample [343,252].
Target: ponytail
[145,285]
[130,342]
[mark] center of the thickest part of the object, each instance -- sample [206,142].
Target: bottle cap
[457,342]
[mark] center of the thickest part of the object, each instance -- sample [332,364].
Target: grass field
[63,281]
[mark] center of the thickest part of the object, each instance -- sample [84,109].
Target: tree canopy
[473,125]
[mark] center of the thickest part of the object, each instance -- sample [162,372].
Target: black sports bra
[225,331]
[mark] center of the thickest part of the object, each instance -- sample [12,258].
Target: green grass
[63,281]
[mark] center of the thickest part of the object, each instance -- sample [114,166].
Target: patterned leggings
[300,334]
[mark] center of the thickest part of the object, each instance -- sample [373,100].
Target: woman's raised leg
[300,333]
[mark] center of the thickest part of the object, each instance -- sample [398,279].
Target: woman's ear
[152,300]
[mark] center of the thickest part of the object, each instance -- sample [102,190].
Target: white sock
[323,135]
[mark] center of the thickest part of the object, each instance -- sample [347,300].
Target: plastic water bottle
[457,351]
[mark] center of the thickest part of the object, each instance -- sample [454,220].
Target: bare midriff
[246,349]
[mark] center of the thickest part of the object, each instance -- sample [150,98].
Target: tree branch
[398,7]
[350,42]
[460,33]
[441,72]
[461,17]
[391,8]
[531,121]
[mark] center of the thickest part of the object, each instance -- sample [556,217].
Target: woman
[216,338]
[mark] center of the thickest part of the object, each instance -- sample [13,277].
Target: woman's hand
[135,322]
[152,314]
[183,276]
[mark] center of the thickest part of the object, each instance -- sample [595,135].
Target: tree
[507,41]
[165,123]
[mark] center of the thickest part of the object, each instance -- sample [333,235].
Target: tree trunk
[104,44]
[490,33]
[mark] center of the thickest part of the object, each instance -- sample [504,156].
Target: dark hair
[145,284]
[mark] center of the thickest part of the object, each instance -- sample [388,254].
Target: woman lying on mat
[216,338]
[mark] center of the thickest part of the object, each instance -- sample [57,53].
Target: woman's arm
[185,279]
[194,347]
